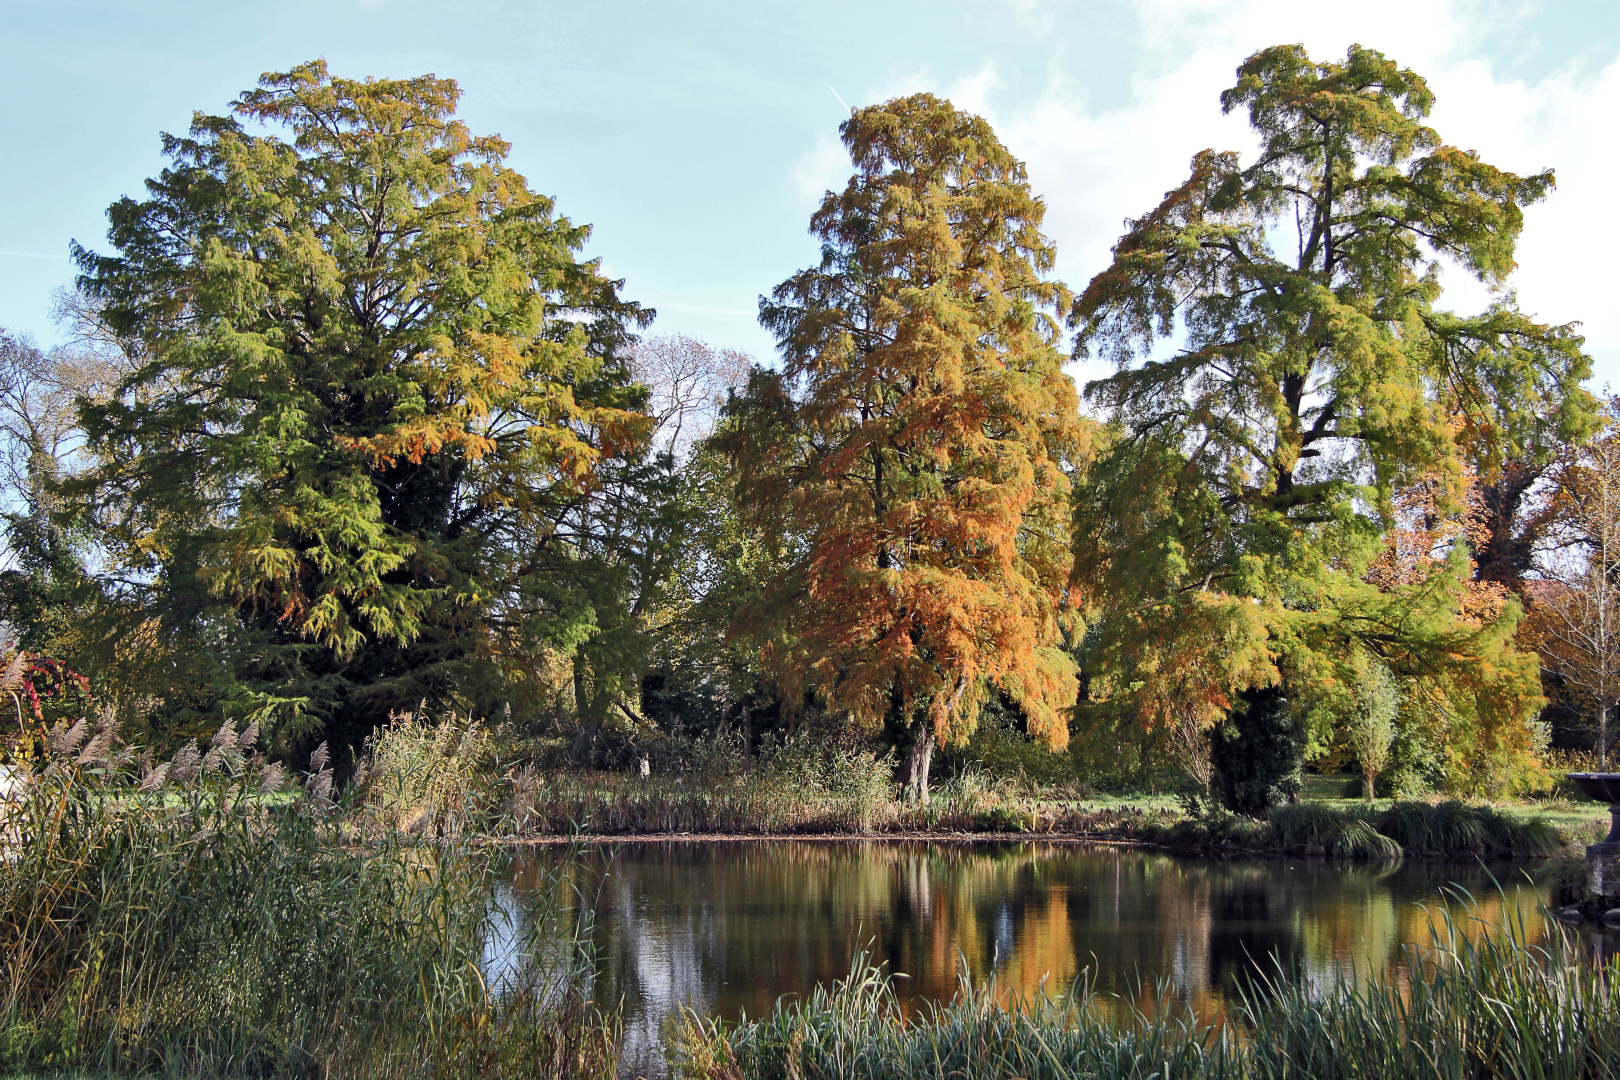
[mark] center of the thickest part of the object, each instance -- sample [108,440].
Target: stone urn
[1603,857]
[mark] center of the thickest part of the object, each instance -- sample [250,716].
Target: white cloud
[822,168]
[973,92]
[1097,167]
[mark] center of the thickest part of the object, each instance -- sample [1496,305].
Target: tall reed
[192,917]
[1464,1008]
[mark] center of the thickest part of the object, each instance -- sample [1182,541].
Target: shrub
[1258,753]
[1451,829]
[1315,829]
[1458,829]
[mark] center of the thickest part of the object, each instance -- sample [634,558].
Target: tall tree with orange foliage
[378,387]
[1283,369]
[912,449]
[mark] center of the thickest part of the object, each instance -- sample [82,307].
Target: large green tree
[1283,369]
[379,389]
[911,451]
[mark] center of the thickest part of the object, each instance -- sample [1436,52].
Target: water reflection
[730,927]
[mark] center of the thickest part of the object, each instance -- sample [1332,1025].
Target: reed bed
[1462,1009]
[196,917]
[759,801]
[1448,829]
[561,802]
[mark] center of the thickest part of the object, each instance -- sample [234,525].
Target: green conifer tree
[1223,539]
[379,389]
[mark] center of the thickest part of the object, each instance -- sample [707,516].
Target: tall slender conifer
[912,448]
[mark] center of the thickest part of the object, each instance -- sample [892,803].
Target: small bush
[1258,752]
[1217,831]
[1315,829]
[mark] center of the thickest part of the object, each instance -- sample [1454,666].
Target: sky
[696,138]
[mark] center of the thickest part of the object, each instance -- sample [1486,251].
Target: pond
[730,927]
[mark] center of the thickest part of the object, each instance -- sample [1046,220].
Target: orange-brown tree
[911,450]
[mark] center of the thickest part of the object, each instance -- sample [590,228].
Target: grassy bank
[566,803]
[196,918]
[1465,1009]
[1449,829]
[444,780]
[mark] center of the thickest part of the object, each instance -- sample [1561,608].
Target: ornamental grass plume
[185,919]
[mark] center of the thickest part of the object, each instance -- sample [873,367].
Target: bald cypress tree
[1284,367]
[911,450]
[377,387]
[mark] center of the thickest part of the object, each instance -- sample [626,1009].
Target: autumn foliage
[914,442]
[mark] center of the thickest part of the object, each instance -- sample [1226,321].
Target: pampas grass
[190,917]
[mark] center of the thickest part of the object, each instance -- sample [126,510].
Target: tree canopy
[350,423]
[377,385]
[915,441]
[1283,370]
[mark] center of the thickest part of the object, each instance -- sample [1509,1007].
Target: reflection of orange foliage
[1152,933]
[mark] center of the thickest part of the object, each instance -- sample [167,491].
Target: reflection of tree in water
[731,927]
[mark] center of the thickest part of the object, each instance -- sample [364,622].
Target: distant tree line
[346,424]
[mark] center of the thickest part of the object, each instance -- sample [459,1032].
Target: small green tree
[1371,723]
[379,389]
[1222,541]
[1255,752]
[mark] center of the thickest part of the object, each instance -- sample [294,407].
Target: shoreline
[554,839]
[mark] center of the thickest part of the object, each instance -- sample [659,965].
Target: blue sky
[697,137]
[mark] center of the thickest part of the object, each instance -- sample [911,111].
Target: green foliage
[377,391]
[704,677]
[1452,829]
[1258,753]
[1455,830]
[1315,829]
[1000,749]
[1224,537]
[1362,714]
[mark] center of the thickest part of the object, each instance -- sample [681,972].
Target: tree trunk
[584,747]
[914,774]
[1369,782]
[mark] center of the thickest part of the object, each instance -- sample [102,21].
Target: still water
[730,927]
